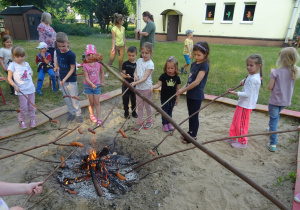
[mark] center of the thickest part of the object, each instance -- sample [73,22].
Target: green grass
[227,68]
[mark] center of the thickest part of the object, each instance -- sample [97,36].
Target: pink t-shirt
[93,72]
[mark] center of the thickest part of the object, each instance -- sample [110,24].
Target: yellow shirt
[190,43]
[119,35]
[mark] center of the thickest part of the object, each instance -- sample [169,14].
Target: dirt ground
[188,180]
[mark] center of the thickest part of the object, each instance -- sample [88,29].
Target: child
[66,61]
[128,69]
[43,59]
[188,45]
[143,83]
[118,41]
[247,101]
[91,71]
[7,189]
[281,85]
[195,86]
[5,56]
[170,84]
[22,74]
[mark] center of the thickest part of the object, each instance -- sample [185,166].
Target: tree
[107,8]
[86,7]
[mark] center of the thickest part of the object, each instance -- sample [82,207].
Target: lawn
[227,68]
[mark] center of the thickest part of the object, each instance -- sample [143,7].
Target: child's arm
[197,81]
[271,84]
[124,75]
[55,62]
[135,75]
[157,85]
[189,50]
[87,79]
[7,189]
[146,75]
[177,96]
[113,42]
[72,69]
[11,82]
[2,64]
[124,38]
[102,77]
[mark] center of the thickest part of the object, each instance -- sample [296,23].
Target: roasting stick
[10,110]
[32,193]
[206,105]
[200,146]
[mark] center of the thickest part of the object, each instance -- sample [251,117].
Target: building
[258,22]
[22,21]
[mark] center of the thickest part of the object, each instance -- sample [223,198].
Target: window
[249,12]
[210,13]
[228,12]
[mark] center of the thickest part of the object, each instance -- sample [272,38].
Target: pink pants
[240,123]
[25,105]
[141,103]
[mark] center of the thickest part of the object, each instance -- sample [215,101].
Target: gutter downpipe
[139,14]
[291,21]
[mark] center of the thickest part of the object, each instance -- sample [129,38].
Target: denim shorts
[187,59]
[89,90]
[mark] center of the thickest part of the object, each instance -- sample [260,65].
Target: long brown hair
[258,60]
[147,14]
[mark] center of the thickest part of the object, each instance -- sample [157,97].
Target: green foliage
[129,34]
[77,29]
[293,176]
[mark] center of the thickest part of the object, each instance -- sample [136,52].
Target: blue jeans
[274,112]
[41,77]
[168,108]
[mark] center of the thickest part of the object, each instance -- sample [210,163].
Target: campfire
[98,174]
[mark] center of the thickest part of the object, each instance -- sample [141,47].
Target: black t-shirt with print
[129,69]
[169,85]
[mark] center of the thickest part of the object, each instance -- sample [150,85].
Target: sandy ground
[189,180]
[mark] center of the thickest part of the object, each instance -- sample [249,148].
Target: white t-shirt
[6,55]
[141,68]
[249,94]
[22,77]
[3,205]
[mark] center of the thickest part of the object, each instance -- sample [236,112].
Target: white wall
[271,18]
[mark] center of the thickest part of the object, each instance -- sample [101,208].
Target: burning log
[94,178]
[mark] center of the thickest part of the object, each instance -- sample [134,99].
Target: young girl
[170,82]
[143,83]
[118,41]
[195,86]
[281,85]
[247,101]
[92,84]
[5,56]
[22,74]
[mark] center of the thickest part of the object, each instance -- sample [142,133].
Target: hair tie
[260,78]
[199,45]
[171,58]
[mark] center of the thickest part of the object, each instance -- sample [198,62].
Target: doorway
[172,31]
[33,21]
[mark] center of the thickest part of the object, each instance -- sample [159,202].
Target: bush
[129,34]
[77,29]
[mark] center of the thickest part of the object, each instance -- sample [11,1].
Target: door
[172,31]
[33,21]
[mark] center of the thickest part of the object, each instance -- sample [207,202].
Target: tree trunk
[91,20]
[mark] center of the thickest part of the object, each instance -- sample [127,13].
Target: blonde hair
[117,18]
[288,57]
[175,62]
[61,37]
[148,46]
[46,18]
[258,61]
[17,51]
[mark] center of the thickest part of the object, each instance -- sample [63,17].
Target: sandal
[99,122]
[186,141]
[93,118]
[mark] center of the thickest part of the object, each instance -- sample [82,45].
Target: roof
[18,10]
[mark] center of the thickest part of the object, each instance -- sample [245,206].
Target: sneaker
[165,128]
[297,198]
[93,118]
[79,119]
[126,114]
[138,127]
[39,93]
[185,72]
[238,145]
[272,147]
[181,70]
[171,128]
[134,114]
[99,122]
[32,123]
[22,125]
[148,124]
[230,140]
[71,117]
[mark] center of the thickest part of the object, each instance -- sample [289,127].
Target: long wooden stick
[25,202]
[38,146]
[200,146]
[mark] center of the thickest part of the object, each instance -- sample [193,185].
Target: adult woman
[148,33]
[47,33]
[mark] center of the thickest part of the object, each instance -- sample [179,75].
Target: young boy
[43,60]
[128,69]
[66,61]
[187,50]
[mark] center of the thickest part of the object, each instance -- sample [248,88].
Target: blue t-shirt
[197,93]
[65,60]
